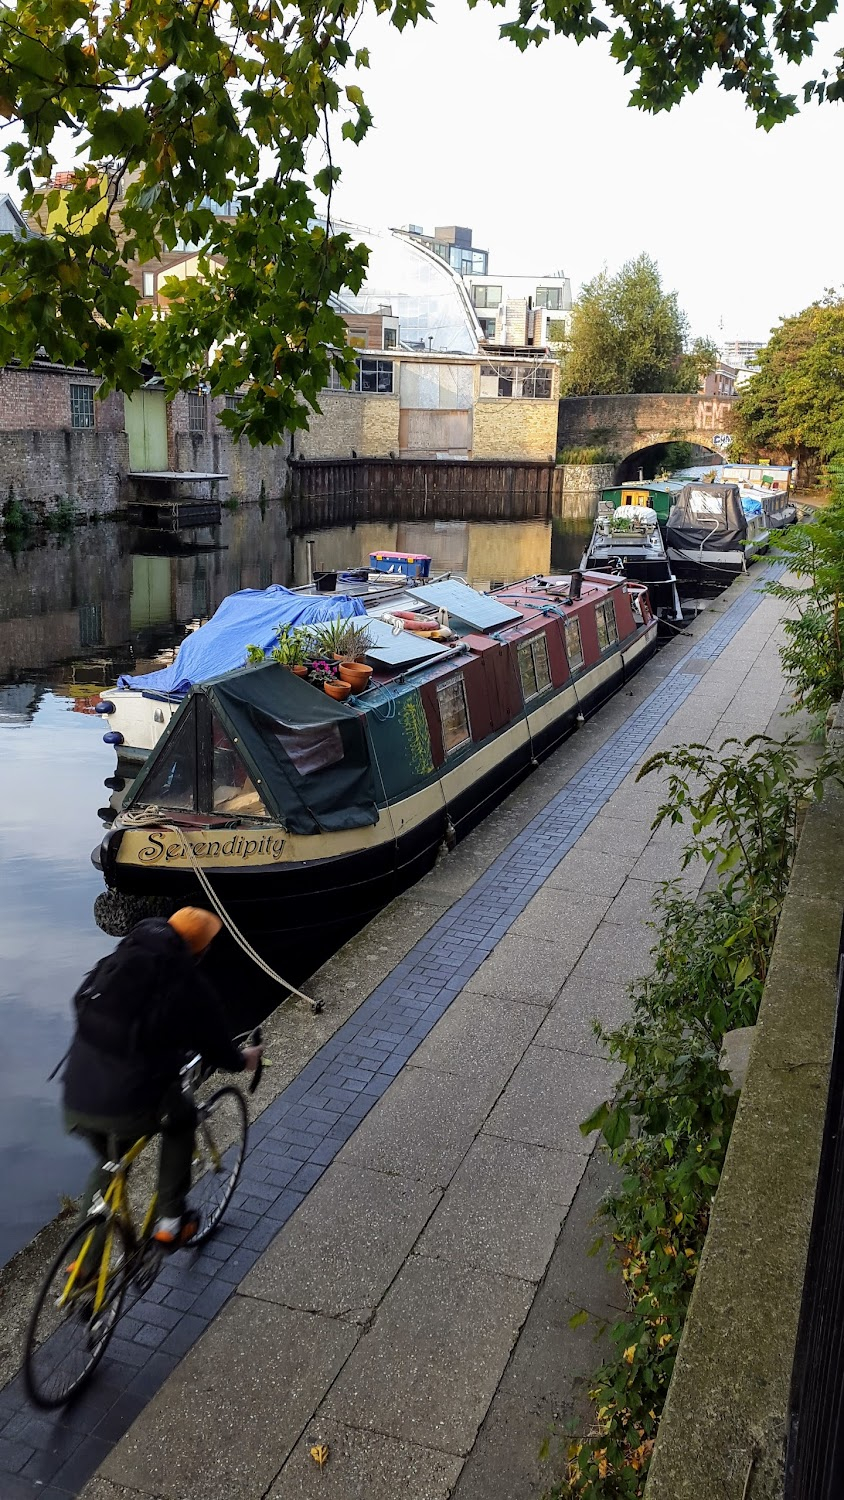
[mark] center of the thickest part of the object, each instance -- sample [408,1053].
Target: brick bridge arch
[627,424]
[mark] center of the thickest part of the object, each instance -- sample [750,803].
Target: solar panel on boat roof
[402,650]
[478,610]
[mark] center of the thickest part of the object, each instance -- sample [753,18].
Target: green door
[146,428]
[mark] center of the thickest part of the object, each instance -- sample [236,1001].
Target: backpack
[121,1005]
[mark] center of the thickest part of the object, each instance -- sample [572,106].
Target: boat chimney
[576,583]
[310,543]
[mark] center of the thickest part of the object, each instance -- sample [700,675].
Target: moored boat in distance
[308,814]
[711,534]
[628,540]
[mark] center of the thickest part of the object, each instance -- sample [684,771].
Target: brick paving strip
[441,1208]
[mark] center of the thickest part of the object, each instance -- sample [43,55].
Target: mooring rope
[152,817]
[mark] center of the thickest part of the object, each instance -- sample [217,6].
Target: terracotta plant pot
[338,690]
[299,671]
[356,674]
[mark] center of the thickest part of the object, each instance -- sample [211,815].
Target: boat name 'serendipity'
[158,847]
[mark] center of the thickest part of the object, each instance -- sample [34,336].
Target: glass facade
[432,308]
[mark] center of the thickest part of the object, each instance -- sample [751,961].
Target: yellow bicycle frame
[114,1199]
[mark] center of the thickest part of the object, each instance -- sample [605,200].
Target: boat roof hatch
[480,611]
[401,650]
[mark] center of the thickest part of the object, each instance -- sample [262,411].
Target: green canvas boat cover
[307,755]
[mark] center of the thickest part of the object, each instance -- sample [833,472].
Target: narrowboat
[307,814]
[657,494]
[629,541]
[711,534]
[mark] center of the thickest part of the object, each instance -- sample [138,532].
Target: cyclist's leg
[107,1138]
[177,1116]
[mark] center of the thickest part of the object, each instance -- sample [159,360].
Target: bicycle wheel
[218,1157]
[66,1339]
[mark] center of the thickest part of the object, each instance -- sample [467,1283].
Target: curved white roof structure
[428,298]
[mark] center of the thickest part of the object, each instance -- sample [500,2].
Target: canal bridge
[633,426]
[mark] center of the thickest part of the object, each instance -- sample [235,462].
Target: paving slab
[528,969]
[423,1126]
[569,1025]
[341,1250]
[547,1098]
[546,1380]
[364,1466]
[480,1034]
[618,954]
[503,1208]
[234,1407]
[587,871]
[435,1354]
[634,903]
[563,917]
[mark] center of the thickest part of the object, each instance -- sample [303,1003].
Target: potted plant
[324,674]
[291,649]
[347,641]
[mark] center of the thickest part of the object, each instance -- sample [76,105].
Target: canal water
[76,611]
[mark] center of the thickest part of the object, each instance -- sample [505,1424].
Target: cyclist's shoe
[83,1283]
[172,1234]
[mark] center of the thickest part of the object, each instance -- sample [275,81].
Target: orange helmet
[196,926]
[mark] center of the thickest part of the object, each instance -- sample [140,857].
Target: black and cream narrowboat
[307,815]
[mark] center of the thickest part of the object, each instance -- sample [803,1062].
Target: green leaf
[579,1318]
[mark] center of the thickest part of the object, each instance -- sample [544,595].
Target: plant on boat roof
[320,672]
[343,638]
[291,650]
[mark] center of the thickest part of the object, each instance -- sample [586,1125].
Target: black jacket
[138,1015]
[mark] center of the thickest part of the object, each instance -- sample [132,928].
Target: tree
[695,364]
[628,334]
[172,107]
[793,404]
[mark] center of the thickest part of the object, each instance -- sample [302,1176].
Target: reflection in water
[73,614]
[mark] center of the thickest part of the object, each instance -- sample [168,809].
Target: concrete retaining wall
[723,1430]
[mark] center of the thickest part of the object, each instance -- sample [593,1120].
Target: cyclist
[138,1013]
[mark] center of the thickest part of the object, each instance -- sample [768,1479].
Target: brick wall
[214,451]
[40,398]
[577,489]
[85,466]
[367,425]
[515,429]
[626,423]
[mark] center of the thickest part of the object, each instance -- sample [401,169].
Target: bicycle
[82,1296]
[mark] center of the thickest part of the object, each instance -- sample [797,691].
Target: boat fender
[450,835]
[105,706]
[113,737]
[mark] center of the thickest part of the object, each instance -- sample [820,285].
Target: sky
[542,156]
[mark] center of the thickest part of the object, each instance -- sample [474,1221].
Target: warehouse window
[81,406]
[197,412]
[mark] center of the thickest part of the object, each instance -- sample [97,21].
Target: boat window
[172,779]
[533,666]
[574,644]
[605,622]
[234,791]
[454,714]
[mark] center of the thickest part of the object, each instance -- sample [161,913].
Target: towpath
[408,1240]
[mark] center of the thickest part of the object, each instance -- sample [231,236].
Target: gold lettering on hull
[162,849]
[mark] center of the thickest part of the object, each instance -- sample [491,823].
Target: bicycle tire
[230,1140]
[42,1378]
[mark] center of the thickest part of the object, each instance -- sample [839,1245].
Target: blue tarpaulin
[249,618]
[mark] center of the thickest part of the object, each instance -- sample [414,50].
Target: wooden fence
[349,491]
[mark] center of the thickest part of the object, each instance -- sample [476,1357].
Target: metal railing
[815,1451]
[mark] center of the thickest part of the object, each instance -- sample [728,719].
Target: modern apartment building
[521,311]
[453,244]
